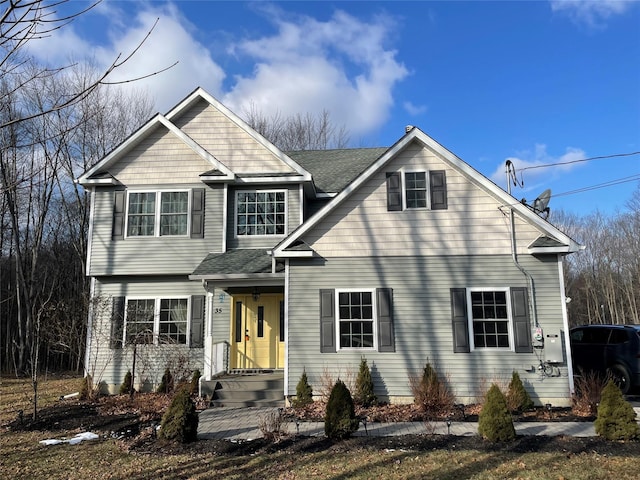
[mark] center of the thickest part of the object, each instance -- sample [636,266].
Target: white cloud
[534,178]
[591,13]
[340,65]
[414,110]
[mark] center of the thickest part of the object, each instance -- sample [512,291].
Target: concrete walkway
[243,424]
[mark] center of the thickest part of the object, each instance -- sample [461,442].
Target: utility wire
[580,160]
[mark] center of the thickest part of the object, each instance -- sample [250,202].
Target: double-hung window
[156,321]
[261,213]
[158,213]
[420,189]
[356,319]
[490,319]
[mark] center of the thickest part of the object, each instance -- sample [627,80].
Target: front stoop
[246,390]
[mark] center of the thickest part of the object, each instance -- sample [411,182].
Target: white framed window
[356,319]
[415,189]
[261,213]
[490,318]
[163,213]
[154,321]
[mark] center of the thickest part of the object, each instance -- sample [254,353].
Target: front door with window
[257,332]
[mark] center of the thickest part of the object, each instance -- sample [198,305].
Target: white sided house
[211,249]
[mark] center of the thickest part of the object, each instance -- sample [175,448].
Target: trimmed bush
[195,383]
[340,418]
[495,422]
[166,384]
[86,388]
[616,417]
[126,386]
[430,394]
[518,399]
[304,392]
[180,421]
[364,395]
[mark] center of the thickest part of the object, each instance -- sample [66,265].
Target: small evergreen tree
[126,386]
[304,392]
[180,421]
[166,384]
[364,395]
[340,418]
[518,399]
[495,422]
[616,417]
[195,383]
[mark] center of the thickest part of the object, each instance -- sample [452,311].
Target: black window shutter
[459,320]
[521,323]
[197,213]
[119,208]
[394,192]
[327,321]
[438,189]
[117,322]
[197,321]
[386,341]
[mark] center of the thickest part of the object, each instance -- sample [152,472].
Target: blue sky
[535,82]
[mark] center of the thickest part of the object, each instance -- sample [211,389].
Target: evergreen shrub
[518,399]
[495,422]
[126,386]
[180,421]
[364,395]
[195,383]
[304,391]
[616,418]
[166,384]
[340,418]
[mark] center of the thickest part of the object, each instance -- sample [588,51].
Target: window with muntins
[415,189]
[260,213]
[158,213]
[490,319]
[172,327]
[356,319]
[156,321]
[139,321]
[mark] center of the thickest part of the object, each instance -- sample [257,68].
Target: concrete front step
[246,390]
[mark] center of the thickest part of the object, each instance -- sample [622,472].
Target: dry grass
[21,456]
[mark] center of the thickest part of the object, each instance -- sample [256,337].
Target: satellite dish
[541,204]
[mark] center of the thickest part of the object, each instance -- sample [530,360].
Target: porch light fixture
[255,294]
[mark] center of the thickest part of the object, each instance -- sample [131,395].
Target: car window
[595,335]
[576,336]
[618,336]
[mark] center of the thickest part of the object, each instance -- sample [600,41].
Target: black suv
[609,349]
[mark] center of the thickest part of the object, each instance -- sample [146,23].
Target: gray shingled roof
[236,262]
[333,170]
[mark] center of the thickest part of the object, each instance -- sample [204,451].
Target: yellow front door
[256,340]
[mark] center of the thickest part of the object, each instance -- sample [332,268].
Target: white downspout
[565,324]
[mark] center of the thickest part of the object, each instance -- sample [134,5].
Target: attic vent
[408,128]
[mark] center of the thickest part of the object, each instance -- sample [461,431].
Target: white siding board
[422,321]
[229,143]
[159,158]
[474,222]
[153,255]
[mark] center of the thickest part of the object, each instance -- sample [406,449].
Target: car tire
[621,378]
